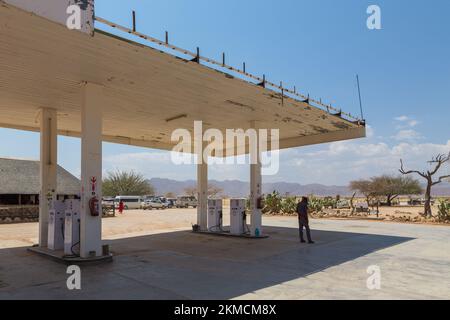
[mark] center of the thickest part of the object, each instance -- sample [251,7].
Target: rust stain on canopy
[43,64]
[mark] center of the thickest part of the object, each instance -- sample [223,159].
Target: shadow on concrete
[184,265]
[208,267]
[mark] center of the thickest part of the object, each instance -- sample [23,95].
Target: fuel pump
[238,217]
[56,225]
[72,226]
[215,215]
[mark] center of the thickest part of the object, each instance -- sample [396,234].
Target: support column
[202,191]
[91,170]
[255,194]
[255,188]
[48,166]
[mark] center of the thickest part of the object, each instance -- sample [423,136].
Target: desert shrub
[272,203]
[330,202]
[289,205]
[315,204]
[444,211]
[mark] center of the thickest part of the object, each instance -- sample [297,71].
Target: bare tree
[365,187]
[170,195]
[190,191]
[213,191]
[437,161]
[352,202]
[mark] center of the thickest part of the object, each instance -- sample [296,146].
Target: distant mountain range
[235,188]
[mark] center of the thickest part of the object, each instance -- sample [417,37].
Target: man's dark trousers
[304,223]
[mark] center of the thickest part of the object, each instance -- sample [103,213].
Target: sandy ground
[131,222]
[387,214]
[401,211]
[139,221]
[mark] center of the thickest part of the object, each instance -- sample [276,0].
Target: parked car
[171,202]
[106,201]
[155,203]
[186,202]
[129,202]
[343,204]
[362,207]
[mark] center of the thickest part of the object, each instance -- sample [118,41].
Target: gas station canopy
[100,87]
[149,93]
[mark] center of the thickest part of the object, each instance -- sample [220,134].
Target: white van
[129,202]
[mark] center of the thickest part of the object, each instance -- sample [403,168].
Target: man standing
[303,220]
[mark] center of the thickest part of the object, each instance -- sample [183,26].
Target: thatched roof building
[20,183]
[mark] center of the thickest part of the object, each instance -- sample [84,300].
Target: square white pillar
[91,170]
[202,191]
[255,194]
[48,169]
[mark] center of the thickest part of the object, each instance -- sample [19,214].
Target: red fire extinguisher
[260,203]
[94,206]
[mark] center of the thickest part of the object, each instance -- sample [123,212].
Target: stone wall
[18,214]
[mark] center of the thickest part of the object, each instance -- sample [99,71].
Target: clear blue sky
[319,46]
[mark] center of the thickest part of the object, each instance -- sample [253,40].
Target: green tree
[126,183]
[365,187]
[393,186]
